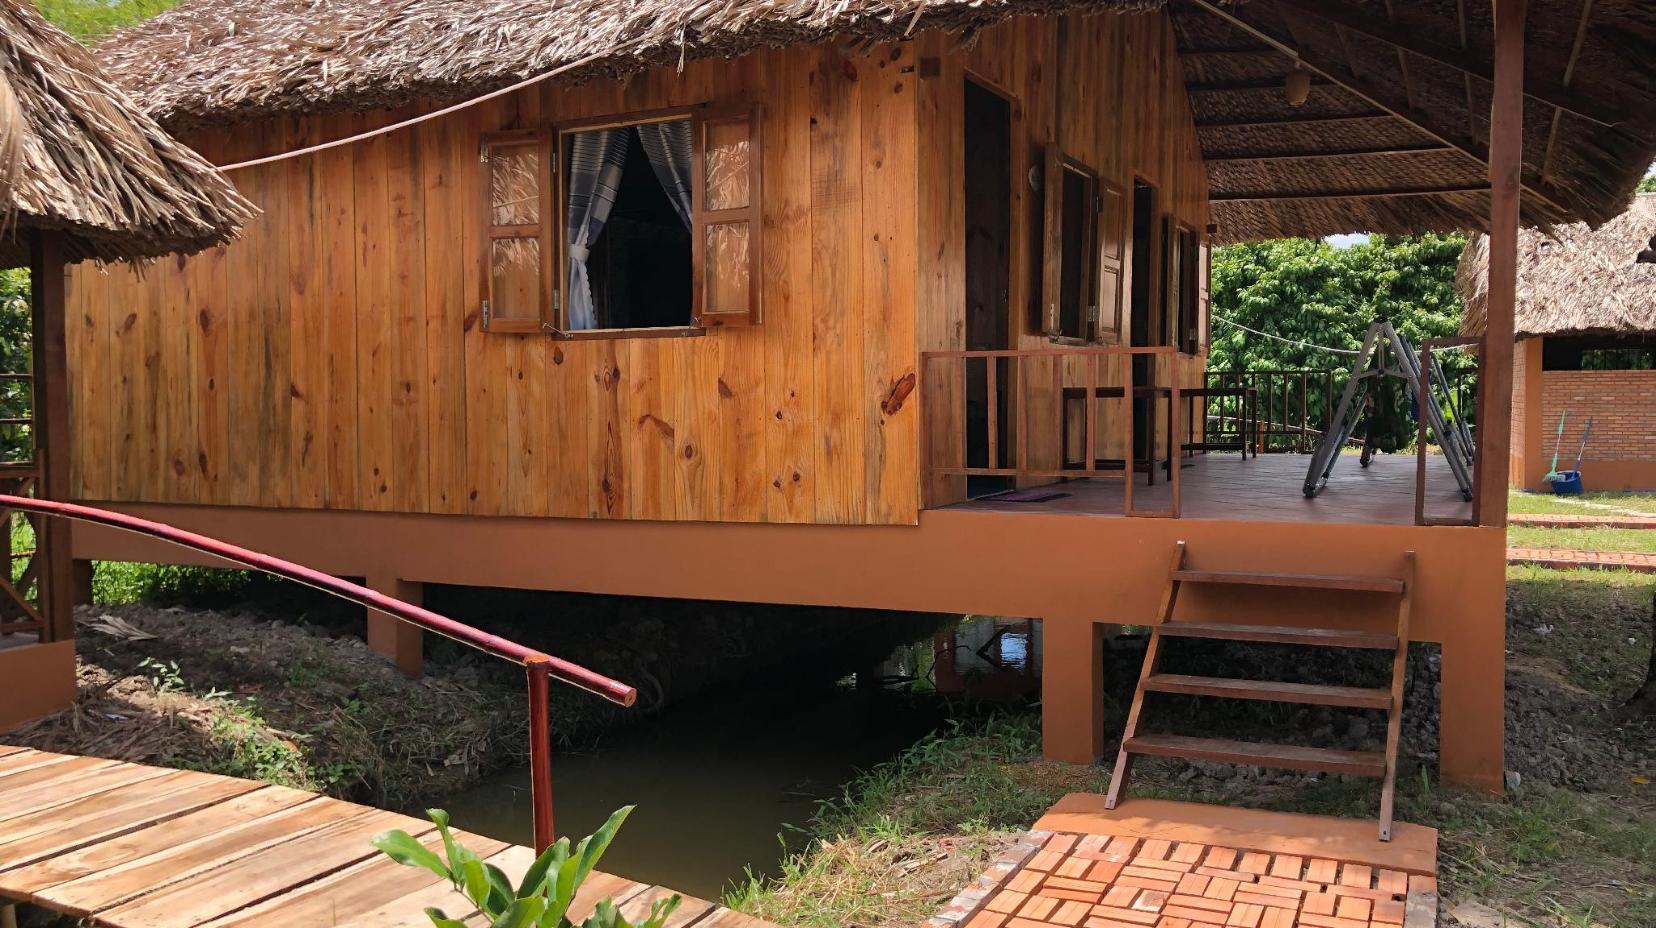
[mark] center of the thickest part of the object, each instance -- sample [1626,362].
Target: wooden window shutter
[1111,259]
[1052,236]
[1170,279]
[726,229]
[1204,292]
[518,250]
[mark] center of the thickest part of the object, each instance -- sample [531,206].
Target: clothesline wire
[415,120]
[1314,347]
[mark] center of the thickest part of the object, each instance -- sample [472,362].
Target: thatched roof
[1413,75]
[1419,118]
[1575,281]
[79,156]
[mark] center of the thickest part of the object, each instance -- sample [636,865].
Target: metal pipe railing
[539,668]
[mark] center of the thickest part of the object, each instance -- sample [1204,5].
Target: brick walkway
[1565,559]
[1549,520]
[1069,880]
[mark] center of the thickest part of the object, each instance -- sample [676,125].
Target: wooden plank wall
[1110,90]
[332,358]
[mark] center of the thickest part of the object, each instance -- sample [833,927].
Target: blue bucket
[1566,482]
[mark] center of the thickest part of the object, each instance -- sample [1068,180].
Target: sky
[1346,241]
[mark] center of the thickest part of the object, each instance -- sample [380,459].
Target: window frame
[542,231]
[1052,257]
[703,219]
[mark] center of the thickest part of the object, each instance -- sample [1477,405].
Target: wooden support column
[51,405]
[1072,689]
[403,643]
[1532,435]
[1506,158]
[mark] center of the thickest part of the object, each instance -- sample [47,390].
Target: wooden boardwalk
[135,846]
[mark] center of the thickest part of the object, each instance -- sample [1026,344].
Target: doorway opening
[988,207]
[1146,328]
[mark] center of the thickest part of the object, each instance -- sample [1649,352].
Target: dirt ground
[233,693]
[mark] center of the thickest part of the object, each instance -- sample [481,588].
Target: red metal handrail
[539,667]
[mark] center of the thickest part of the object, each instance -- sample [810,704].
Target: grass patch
[1593,626]
[1583,539]
[1549,504]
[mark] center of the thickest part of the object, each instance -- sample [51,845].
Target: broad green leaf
[520,914]
[443,921]
[477,885]
[401,847]
[661,910]
[549,861]
[457,853]
[593,846]
[500,888]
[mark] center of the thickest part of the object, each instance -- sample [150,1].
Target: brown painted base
[39,679]
[1076,572]
[1605,476]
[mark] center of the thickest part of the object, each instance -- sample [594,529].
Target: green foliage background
[14,359]
[87,20]
[1313,292]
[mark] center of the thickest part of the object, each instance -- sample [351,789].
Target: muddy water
[715,781]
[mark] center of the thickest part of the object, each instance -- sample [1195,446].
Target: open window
[637,226]
[1070,278]
[1184,286]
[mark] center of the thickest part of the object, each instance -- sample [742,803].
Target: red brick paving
[1552,520]
[1100,881]
[1566,559]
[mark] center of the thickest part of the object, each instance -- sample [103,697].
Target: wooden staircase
[1361,763]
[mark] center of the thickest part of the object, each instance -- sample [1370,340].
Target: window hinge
[1092,314]
[483,152]
[485,315]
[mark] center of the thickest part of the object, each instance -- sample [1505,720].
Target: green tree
[14,359]
[88,20]
[1299,290]
[1648,185]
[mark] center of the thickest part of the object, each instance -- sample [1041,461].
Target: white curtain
[596,160]
[667,144]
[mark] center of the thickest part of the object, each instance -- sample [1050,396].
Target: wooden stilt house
[85,176]
[773,301]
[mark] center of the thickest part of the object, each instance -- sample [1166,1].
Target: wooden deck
[1266,488]
[135,846]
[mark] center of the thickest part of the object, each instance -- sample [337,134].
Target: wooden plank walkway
[134,846]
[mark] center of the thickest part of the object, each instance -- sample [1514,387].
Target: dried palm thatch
[210,61]
[1410,121]
[1576,281]
[79,156]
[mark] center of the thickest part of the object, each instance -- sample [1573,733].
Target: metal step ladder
[1294,757]
[1452,433]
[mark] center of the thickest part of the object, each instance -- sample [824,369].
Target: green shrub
[541,899]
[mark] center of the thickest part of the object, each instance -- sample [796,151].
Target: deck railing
[539,668]
[1290,406]
[1033,394]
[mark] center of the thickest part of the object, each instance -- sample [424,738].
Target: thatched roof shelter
[1576,281]
[1393,137]
[77,155]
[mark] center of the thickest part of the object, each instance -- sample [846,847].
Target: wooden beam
[1378,193]
[1301,154]
[1467,146]
[51,398]
[1506,164]
[1227,51]
[1569,75]
[1415,42]
[1296,119]
[1263,83]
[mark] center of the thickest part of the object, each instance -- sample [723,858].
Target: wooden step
[1360,763]
[1303,581]
[1282,634]
[1269,691]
